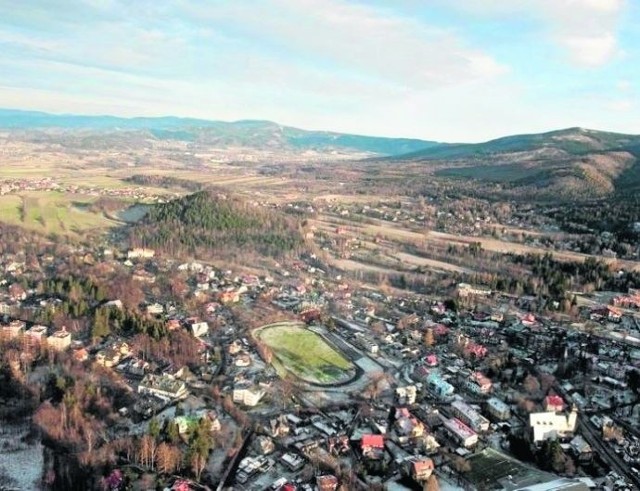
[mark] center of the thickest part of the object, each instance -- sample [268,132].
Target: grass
[489,466]
[50,212]
[305,354]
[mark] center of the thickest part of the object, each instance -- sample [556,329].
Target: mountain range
[575,163]
[246,133]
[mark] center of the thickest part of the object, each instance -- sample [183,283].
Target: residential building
[464,435]
[60,340]
[35,335]
[498,409]
[13,329]
[163,386]
[406,395]
[420,468]
[469,416]
[199,329]
[438,385]
[140,253]
[372,446]
[247,395]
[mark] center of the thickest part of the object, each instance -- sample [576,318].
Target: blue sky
[449,70]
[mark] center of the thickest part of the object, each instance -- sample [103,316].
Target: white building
[469,416]
[406,395]
[551,425]
[163,386]
[249,396]
[60,340]
[199,329]
[141,253]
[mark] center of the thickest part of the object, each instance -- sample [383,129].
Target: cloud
[354,38]
[586,30]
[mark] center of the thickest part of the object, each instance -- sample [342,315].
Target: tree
[432,484]
[168,458]
[429,339]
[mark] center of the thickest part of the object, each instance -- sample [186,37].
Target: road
[591,435]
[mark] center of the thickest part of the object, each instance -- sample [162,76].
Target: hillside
[572,141]
[575,164]
[210,223]
[251,134]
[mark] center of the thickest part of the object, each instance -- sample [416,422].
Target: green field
[490,466]
[305,354]
[51,212]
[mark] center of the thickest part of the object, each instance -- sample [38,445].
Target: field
[51,212]
[490,466]
[305,354]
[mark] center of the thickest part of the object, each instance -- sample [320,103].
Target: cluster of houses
[36,336]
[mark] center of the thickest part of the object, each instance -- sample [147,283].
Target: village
[472,389]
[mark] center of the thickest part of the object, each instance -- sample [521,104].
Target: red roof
[554,401]
[375,441]
[288,487]
[420,466]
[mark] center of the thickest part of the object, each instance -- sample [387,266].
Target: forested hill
[212,224]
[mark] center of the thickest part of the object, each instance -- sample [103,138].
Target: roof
[376,441]
[554,400]
[422,465]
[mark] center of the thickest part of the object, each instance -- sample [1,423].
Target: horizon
[319,130]
[447,71]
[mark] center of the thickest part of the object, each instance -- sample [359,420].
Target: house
[13,329]
[80,354]
[247,395]
[327,482]
[372,446]
[243,360]
[199,329]
[552,425]
[498,409]
[60,340]
[420,468]
[581,449]
[163,386]
[477,383]
[465,290]
[140,253]
[431,360]
[292,461]
[464,435]
[155,309]
[438,385]
[406,395]
[228,297]
[553,403]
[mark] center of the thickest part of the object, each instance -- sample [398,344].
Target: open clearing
[51,212]
[379,228]
[305,354]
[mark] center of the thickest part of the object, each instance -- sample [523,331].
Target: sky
[445,70]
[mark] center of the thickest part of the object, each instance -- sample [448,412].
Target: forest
[209,222]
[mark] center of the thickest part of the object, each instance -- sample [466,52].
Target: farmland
[52,212]
[305,354]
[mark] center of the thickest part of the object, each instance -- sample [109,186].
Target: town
[305,379]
